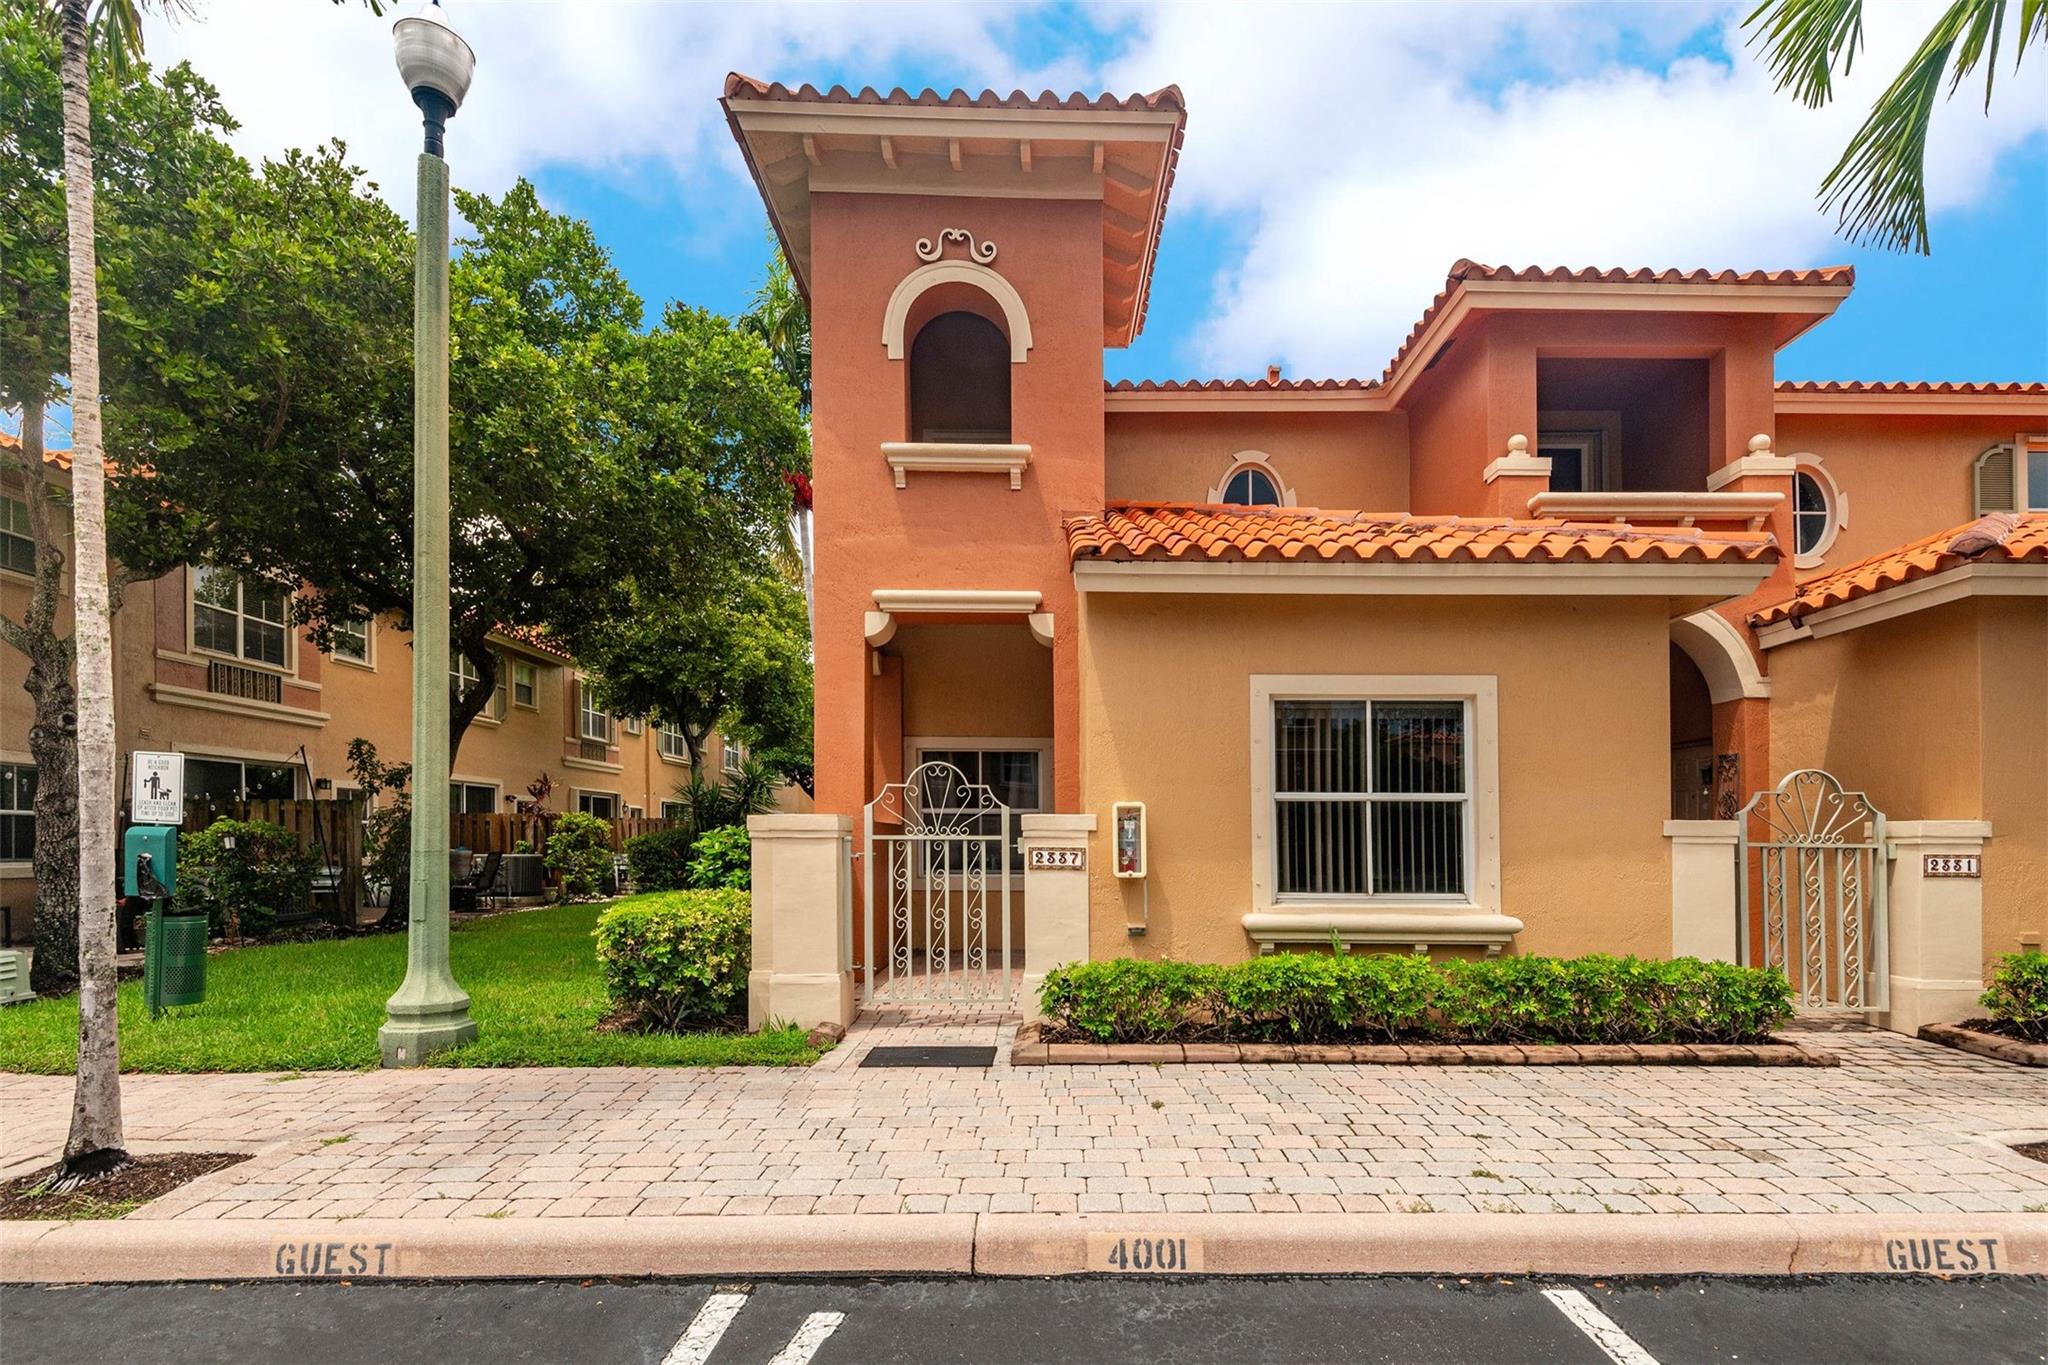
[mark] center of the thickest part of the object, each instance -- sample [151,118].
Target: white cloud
[1361,148]
[1371,147]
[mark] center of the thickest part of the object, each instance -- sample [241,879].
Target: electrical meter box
[149,861]
[1127,824]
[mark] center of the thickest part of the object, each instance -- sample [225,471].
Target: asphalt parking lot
[1412,1321]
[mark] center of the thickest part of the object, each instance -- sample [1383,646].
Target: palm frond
[1802,40]
[1879,187]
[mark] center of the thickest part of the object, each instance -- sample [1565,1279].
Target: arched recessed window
[1819,511]
[1251,481]
[960,381]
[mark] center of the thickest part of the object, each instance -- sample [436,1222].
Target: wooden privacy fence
[330,829]
[495,832]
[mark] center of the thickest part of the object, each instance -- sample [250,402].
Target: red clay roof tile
[738,86]
[1190,532]
[1904,386]
[2000,538]
[1238,385]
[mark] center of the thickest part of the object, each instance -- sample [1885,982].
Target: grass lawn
[532,978]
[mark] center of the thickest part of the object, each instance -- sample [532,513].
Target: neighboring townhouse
[1425,661]
[209,665]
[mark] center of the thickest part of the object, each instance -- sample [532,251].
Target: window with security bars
[1371,798]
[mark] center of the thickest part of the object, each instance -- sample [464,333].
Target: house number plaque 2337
[1057,859]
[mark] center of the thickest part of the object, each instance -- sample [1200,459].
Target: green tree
[780,317]
[1878,188]
[158,137]
[735,660]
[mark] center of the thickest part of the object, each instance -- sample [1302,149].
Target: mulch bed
[1987,1038]
[144,1178]
[1033,1049]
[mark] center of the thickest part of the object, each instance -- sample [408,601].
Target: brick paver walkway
[1900,1126]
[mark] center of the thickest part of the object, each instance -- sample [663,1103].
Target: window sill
[345,662]
[956,457]
[1419,926]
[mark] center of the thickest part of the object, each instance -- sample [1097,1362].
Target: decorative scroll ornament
[983,251]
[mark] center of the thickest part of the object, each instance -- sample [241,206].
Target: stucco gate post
[1055,897]
[802,969]
[1937,924]
[1703,900]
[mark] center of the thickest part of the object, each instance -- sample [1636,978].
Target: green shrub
[723,860]
[1309,997]
[242,890]
[660,858]
[677,959]
[579,851]
[2018,996]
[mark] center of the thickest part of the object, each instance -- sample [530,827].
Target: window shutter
[1995,479]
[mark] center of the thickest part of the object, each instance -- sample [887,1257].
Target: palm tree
[1879,187]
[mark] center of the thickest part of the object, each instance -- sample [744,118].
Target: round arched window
[1810,515]
[1251,486]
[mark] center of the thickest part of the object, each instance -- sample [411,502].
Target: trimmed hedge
[242,889]
[677,959]
[660,859]
[2018,997]
[1316,997]
[579,851]
[723,860]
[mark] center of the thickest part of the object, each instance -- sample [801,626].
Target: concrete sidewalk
[1901,1127]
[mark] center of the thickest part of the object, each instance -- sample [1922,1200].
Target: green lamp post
[430,1012]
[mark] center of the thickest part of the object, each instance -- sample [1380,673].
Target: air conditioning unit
[14,976]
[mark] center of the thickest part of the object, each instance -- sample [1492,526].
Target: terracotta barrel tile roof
[1464,270]
[1164,531]
[738,86]
[2000,538]
[1902,386]
[534,638]
[1238,385]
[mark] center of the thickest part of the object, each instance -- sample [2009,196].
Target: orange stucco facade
[980,593]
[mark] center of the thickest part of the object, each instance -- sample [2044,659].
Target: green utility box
[149,861]
[174,950]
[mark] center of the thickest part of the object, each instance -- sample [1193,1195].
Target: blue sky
[1338,158]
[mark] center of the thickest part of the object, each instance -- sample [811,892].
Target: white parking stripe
[808,1339]
[705,1331]
[1606,1333]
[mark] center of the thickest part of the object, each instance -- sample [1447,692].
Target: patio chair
[472,892]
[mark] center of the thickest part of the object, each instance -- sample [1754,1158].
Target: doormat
[930,1056]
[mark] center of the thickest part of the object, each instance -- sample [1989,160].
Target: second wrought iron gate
[1813,861]
[937,873]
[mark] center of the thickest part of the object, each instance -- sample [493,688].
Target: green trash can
[180,960]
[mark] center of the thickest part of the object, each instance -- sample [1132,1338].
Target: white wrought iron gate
[1815,855]
[936,863]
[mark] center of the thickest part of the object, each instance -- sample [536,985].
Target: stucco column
[803,947]
[1703,909]
[1515,477]
[1055,898]
[1937,924]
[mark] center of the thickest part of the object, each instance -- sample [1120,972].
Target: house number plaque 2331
[1057,859]
[1952,865]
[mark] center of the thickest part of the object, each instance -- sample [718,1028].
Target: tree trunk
[95,1142]
[477,696]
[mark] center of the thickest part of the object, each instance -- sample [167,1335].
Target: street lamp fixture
[429,1013]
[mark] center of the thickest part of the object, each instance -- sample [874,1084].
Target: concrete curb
[1026,1245]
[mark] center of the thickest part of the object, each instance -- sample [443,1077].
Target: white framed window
[1375,791]
[463,675]
[735,755]
[525,685]
[239,616]
[2012,477]
[636,813]
[1578,460]
[673,810]
[17,544]
[592,721]
[634,725]
[1820,510]
[604,805]
[472,798]
[352,641]
[239,779]
[1250,480]
[2033,473]
[17,812]
[673,744]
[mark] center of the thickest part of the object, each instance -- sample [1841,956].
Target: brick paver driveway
[1900,1126]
